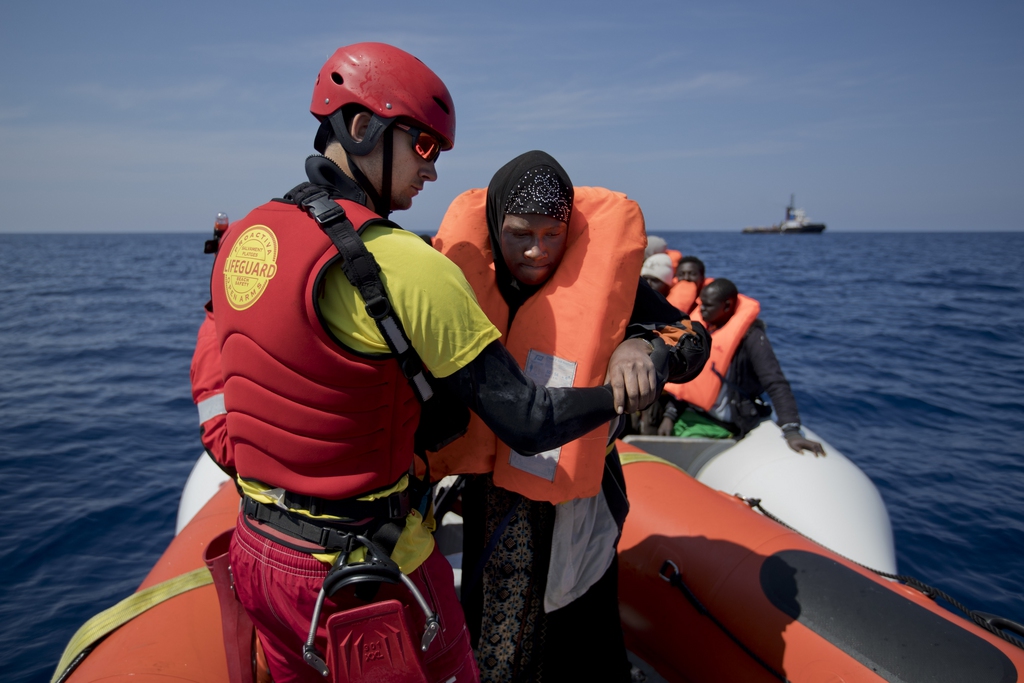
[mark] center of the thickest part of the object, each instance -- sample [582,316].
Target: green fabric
[694,424]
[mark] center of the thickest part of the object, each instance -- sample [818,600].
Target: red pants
[278,587]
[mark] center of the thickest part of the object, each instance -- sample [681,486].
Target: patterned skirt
[504,600]
[514,639]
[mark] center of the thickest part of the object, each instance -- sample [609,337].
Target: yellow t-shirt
[429,293]
[444,323]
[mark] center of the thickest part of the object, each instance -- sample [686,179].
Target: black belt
[322,532]
[395,506]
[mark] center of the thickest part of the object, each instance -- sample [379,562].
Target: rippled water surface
[904,350]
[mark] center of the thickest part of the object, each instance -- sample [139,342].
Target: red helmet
[390,83]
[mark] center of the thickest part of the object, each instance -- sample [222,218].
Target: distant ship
[796,222]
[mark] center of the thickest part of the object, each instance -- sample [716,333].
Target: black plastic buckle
[411,366]
[323,208]
[335,539]
[256,511]
[378,308]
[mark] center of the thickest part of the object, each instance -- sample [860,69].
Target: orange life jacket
[703,390]
[562,336]
[683,295]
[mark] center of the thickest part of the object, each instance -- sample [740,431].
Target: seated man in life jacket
[657,271]
[691,269]
[557,271]
[726,398]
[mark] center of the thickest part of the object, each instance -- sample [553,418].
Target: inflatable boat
[711,589]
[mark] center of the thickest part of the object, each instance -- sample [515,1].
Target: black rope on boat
[991,623]
[670,572]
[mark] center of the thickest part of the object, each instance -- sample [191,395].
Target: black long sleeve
[532,419]
[649,307]
[764,374]
[529,418]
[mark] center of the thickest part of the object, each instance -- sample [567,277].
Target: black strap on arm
[362,271]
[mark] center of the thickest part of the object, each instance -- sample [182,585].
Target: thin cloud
[297,51]
[554,110]
[759,148]
[567,107]
[713,81]
[21,112]
[170,180]
[126,99]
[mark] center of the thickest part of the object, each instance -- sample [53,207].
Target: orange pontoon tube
[768,604]
[709,591]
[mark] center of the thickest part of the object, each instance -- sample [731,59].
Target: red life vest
[567,331]
[703,390]
[208,392]
[303,413]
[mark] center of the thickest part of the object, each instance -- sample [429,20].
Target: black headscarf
[532,183]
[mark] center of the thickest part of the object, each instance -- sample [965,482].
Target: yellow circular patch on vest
[250,266]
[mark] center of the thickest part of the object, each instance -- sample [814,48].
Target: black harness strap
[329,538]
[362,271]
[324,534]
[443,418]
[394,506]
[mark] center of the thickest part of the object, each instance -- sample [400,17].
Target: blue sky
[142,116]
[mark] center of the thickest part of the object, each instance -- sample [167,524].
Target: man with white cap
[657,271]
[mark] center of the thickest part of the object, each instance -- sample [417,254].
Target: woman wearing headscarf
[556,269]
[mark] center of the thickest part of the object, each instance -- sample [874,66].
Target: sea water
[904,351]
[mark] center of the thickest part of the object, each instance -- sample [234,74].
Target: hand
[666,427]
[632,376]
[799,444]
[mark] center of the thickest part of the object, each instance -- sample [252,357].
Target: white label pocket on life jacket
[549,371]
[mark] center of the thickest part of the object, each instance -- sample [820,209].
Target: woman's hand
[632,376]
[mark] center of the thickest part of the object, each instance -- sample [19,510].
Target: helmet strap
[362,147]
[380,205]
[385,180]
[377,127]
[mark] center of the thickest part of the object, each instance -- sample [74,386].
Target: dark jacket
[755,370]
